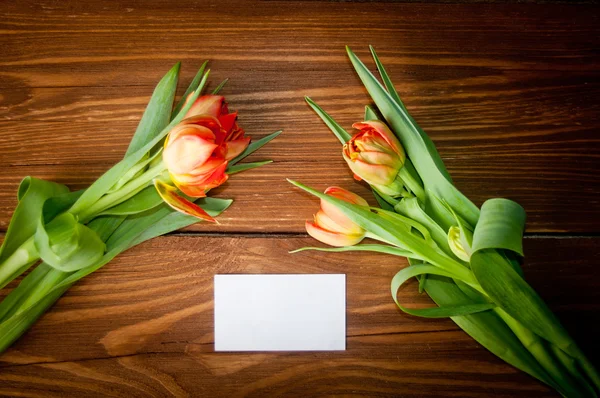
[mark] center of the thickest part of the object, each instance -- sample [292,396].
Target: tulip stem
[556,376]
[411,180]
[52,278]
[126,192]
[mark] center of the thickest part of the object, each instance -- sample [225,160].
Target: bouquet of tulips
[465,258]
[177,154]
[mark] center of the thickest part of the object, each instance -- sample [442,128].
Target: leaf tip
[176,67]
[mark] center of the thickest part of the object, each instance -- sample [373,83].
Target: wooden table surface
[508,92]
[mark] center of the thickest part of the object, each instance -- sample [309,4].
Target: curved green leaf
[218,89]
[368,248]
[131,231]
[67,245]
[439,312]
[370,113]
[32,194]
[500,226]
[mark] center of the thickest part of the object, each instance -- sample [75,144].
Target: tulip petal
[372,173]
[381,129]
[196,185]
[169,194]
[184,154]
[336,214]
[235,148]
[206,169]
[207,105]
[205,121]
[332,238]
[190,129]
[228,121]
[381,158]
[327,223]
[346,195]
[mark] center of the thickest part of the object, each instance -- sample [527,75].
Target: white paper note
[280,312]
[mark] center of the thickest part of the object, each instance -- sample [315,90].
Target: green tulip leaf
[437,312]
[365,247]
[246,166]
[487,328]
[103,184]
[501,225]
[67,245]
[386,79]
[32,194]
[144,200]
[253,147]
[158,111]
[370,113]
[45,284]
[136,171]
[411,208]
[337,130]
[418,146]
[191,88]
[218,89]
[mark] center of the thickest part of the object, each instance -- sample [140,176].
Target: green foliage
[484,291]
[76,233]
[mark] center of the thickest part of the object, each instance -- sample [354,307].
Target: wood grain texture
[509,93]
[143,326]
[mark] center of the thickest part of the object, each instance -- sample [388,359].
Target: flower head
[198,149]
[195,160]
[230,136]
[197,152]
[333,227]
[374,154]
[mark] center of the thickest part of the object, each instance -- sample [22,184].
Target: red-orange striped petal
[169,194]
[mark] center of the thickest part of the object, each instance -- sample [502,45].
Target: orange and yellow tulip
[197,151]
[331,226]
[231,136]
[374,154]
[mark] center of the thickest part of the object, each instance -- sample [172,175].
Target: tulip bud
[195,161]
[331,226]
[375,155]
[458,244]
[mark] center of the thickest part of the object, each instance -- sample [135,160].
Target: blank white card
[280,312]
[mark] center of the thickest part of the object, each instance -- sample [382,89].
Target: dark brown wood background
[509,93]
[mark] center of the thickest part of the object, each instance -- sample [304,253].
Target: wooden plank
[436,370]
[509,93]
[557,182]
[143,325]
